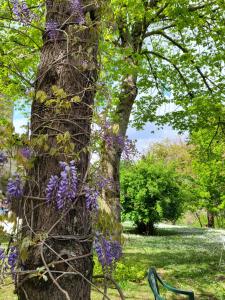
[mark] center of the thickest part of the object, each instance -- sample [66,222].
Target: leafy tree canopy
[178,59]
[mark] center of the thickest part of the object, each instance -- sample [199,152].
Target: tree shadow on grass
[169,231]
[194,270]
[181,231]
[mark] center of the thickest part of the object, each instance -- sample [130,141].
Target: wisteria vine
[14,188]
[63,189]
[8,260]
[110,138]
[3,158]
[21,12]
[108,251]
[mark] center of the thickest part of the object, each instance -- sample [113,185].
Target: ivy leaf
[26,243]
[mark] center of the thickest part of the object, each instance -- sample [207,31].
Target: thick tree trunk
[211,219]
[68,62]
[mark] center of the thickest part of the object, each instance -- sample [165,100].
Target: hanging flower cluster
[78,11]
[26,152]
[102,182]
[12,259]
[108,251]
[9,261]
[3,158]
[63,189]
[21,12]
[126,145]
[129,149]
[91,198]
[14,188]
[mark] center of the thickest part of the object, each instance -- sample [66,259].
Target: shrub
[151,191]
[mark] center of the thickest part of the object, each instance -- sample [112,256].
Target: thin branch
[181,47]
[175,67]
[22,33]
[159,30]
[114,282]
[203,78]
[51,276]
[185,50]
[154,75]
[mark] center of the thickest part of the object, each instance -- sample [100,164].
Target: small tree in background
[208,166]
[152,191]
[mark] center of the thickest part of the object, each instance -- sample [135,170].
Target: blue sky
[19,120]
[143,137]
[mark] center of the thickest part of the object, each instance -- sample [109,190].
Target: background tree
[159,50]
[200,161]
[151,191]
[208,166]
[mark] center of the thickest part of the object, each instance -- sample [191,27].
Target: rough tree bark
[68,61]
[111,154]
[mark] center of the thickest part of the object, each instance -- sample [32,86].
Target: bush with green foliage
[151,191]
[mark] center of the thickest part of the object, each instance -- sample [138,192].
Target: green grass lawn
[185,257]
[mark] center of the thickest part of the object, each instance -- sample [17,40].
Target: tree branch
[175,67]
[154,75]
[203,78]
[185,50]
[158,31]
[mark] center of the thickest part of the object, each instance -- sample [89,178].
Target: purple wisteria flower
[3,260]
[73,180]
[2,254]
[126,145]
[51,188]
[12,259]
[111,139]
[52,29]
[91,198]
[108,251]
[3,158]
[78,11]
[63,189]
[9,261]
[102,182]
[129,149]
[14,188]
[26,152]
[21,12]
[116,250]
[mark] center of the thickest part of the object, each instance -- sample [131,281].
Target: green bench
[154,279]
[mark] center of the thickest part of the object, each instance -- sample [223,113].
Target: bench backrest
[154,279]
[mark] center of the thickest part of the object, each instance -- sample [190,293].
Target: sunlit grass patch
[185,257]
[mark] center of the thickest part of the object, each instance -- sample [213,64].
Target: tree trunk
[111,155]
[68,62]
[143,228]
[211,219]
[198,218]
